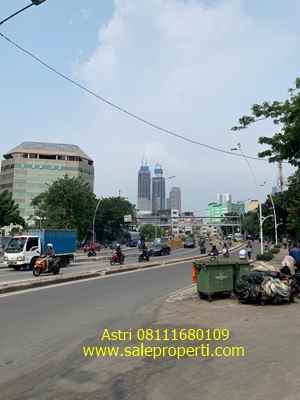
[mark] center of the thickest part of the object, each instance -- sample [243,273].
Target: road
[10,275]
[43,331]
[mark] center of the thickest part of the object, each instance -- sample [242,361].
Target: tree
[150,232]
[110,218]
[67,204]
[293,205]
[285,143]
[9,210]
[250,224]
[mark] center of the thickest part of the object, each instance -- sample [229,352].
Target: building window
[59,157]
[73,158]
[33,155]
[47,156]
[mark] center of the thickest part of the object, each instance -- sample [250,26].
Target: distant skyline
[190,66]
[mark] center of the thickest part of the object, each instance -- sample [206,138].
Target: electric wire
[120,108]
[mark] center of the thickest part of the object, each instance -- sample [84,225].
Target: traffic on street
[149,200]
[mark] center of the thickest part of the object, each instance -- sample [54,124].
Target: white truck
[23,251]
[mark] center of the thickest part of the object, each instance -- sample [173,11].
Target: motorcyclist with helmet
[119,253]
[145,253]
[50,254]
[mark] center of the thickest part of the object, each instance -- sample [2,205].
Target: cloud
[191,66]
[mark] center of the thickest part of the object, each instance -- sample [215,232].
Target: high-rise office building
[227,198]
[144,189]
[29,168]
[158,190]
[174,199]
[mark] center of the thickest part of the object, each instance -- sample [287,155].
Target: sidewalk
[276,262]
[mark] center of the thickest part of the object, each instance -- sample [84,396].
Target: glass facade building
[29,168]
[158,190]
[174,200]
[144,189]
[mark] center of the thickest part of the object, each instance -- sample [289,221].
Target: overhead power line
[120,108]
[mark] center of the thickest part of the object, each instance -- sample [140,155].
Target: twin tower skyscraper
[151,201]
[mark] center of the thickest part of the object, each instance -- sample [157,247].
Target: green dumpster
[215,277]
[240,268]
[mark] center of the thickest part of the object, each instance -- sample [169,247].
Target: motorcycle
[116,259]
[45,265]
[92,253]
[144,256]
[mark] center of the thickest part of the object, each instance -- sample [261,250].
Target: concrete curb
[40,282]
[48,281]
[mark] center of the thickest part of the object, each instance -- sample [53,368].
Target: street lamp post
[262,219]
[275,219]
[261,231]
[33,3]
[94,220]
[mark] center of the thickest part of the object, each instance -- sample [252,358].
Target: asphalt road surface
[10,275]
[42,332]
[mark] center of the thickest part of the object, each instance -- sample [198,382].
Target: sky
[191,66]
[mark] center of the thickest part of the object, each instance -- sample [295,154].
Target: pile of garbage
[265,288]
[266,285]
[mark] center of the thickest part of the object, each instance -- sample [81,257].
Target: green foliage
[285,143]
[265,257]
[250,223]
[9,210]
[67,204]
[293,205]
[148,231]
[110,218]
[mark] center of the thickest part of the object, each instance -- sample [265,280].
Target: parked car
[159,249]
[189,244]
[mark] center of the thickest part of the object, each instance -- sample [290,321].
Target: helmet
[243,254]
[49,245]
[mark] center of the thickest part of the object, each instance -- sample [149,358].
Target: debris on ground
[265,287]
